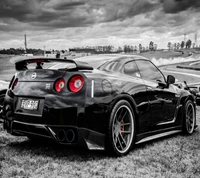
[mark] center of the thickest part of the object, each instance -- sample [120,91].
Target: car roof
[99,59]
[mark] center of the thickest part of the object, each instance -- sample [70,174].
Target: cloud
[44,13]
[63,14]
[121,10]
[175,6]
[62,23]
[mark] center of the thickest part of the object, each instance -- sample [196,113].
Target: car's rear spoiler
[22,65]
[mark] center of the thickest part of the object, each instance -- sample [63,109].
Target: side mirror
[170,79]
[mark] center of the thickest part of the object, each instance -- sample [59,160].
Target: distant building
[82,50]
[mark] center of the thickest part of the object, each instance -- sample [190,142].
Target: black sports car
[104,102]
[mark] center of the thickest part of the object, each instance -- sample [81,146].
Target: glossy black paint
[86,113]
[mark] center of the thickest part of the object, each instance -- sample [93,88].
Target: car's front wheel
[121,128]
[189,118]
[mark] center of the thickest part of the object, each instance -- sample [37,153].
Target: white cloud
[63,24]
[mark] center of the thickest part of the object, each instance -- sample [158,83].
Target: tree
[169,45]
[119,50]
[151,46]
[140,47]
[182,44]
[178,45]
[188,43]
[135,48]
[175,45]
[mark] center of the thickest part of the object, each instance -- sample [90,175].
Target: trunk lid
[37,75]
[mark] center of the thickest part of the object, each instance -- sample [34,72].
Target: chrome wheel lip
[190,118]
[117,132]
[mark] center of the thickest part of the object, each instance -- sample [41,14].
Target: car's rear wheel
[121,129]
[189,118]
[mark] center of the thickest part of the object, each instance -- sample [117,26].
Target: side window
[111,66]
[149,71]
[131,69]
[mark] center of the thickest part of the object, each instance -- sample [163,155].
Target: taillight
[76,83]
[15,83]
[59,85]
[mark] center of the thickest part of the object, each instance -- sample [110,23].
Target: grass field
[176,156]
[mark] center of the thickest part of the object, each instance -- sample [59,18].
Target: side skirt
[153,136]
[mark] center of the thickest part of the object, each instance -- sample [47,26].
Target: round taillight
[59,85]
[15,83]
[76,83]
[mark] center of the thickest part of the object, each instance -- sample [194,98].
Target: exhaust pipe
[61,135]
[70,135]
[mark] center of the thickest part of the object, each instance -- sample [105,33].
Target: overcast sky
[61,24]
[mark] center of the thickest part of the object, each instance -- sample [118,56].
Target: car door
[162,99]
[139,94]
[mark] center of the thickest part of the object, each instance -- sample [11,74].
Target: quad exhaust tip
[66,135]
[61,135]
[70,135]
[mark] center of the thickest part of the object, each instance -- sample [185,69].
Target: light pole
[44,51]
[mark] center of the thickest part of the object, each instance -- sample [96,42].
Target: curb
[188,67]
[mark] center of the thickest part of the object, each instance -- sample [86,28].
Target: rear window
[63,65]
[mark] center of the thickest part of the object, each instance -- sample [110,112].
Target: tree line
[188,44]
[20,51]
[100,49]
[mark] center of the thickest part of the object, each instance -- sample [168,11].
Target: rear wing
[22,65]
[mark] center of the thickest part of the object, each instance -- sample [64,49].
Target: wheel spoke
[1,107]
[187,118]
[123,139]
[1,110]
[120,115]
[124,115]
[115,139]
[190,114]
[191,120]
[120,143]
[188,126]
[125,124]
[126,132]
[189,123]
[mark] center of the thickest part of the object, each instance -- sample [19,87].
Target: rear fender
[130,100]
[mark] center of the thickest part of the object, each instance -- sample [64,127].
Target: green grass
[169,54]
[160,54]
[176,156]
[171,157]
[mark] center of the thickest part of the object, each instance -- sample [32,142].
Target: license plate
[30,104]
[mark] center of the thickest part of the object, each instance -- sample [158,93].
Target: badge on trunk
[33,76]
[48,86]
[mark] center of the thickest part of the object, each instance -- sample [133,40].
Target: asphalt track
[191,76]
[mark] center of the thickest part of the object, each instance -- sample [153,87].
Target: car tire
[121,129]
[189,118]
[2,95]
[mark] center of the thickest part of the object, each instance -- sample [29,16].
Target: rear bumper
[68,135]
